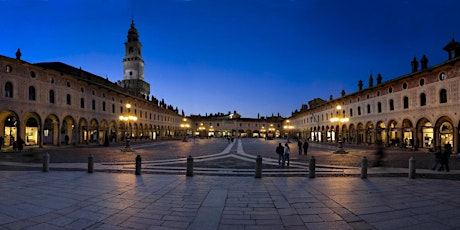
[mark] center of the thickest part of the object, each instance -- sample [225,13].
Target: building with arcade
[417,110]
[54,103]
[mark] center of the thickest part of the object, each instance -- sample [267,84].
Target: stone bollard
[90,163]
[412,168]
[138,164]
[364,168]
[189,166]
[258,170]
[46,162]
[311,167]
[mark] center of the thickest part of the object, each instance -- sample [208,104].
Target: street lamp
[127,118]
[340,119]
[288,127]
[185,126]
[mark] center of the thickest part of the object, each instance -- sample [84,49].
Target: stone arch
[444,132]
[394,133]
[82,130]
[68,129]
[51,130]
[370,133]
[424,133]
[9,126]
[381,133]
[31,129]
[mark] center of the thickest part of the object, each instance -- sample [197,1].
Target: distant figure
[380,154]
[66,138]
[280,151]
[437,157]
[287,151]
[299,144]
[445,157]
[20,144]
[305,147]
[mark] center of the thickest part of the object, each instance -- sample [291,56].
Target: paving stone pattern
[79,200]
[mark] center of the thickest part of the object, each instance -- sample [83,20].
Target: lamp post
[185,125]
[288,127]
[340,119]
[127,118]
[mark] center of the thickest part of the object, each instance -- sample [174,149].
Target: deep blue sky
[252,56]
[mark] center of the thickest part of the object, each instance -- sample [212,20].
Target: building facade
[54,103]
[419,110]
[232,125]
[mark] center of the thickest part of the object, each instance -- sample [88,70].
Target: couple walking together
[283,154]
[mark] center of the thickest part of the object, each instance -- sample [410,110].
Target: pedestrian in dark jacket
[305,147]
[299,144]
[280,151]
[445,158]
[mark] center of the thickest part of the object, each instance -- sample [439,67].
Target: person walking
[305,147]
[280,151]
[287,151]
[299,144]
[445,158]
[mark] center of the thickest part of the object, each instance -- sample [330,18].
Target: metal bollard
[364,168]
[90,163]
[258,170]
[412,168]
[46,162]
[138,164]
[311,167]
[189,166]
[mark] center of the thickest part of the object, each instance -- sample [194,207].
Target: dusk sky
[253,56]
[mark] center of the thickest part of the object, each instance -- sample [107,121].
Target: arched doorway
[10,130]
[32,129]
[51,131]
[68,130]
[425,133]
[445,132]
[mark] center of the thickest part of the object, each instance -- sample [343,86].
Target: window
[9,89]
[52,99]
[392,105]
[359,110]
[93,104]
[404,86]
[406,102]
[103,106]
[32,93]
[351,112]
[442,76]
[390,90]
[443,96]
[82,103]
[8,69]
[68,99]
[422,99]
[422,82]
[368,108]
[32,74]
[379,107]
[113,108]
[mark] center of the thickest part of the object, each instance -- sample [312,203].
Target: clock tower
[133,65]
